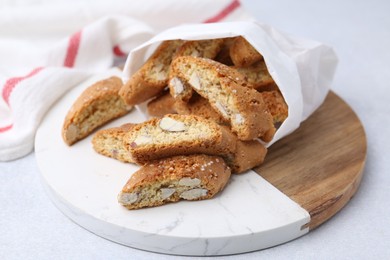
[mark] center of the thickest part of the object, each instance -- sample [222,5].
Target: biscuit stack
[211,101]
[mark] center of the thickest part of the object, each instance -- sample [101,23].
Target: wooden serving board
[321,164]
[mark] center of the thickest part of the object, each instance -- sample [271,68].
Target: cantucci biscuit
[243,54]
[109,142]
[276,105]
[202,48]
[226,92]
[193,177]
[248,154]
[258,76]
[152,77]
[97,105]
[177,135]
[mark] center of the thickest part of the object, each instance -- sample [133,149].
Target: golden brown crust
[180,88]
[177,135]
[161,105]
[276,105]
[139,89]
[202,48]
[258,76]
[152,77]
[97,105]
[226,91]
[194,177]
[248,155]
[109,142]
[243,54]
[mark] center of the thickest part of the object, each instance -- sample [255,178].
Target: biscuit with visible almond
[193,177]
[201,48]
[228,94]
[109,142]
[151,79]
[177,135]
[97,105]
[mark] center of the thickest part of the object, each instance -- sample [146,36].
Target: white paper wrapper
[302,69]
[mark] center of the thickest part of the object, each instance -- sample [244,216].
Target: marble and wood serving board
[307,177]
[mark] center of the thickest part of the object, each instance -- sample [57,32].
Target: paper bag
[302,69]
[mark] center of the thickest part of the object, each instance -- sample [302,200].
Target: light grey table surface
[31,227]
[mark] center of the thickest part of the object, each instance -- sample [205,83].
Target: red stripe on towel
[5,128]
[118,52]
[73,49]
[224,12]
[12,82]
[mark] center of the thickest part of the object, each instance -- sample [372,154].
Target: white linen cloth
[47,49]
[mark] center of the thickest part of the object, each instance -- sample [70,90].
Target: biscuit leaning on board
[97,105]
[177,135]
[248,154]
[229,95]
[192,177]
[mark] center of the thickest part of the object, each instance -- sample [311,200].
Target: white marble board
[250,214]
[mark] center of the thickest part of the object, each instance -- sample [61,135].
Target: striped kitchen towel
[47,49]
